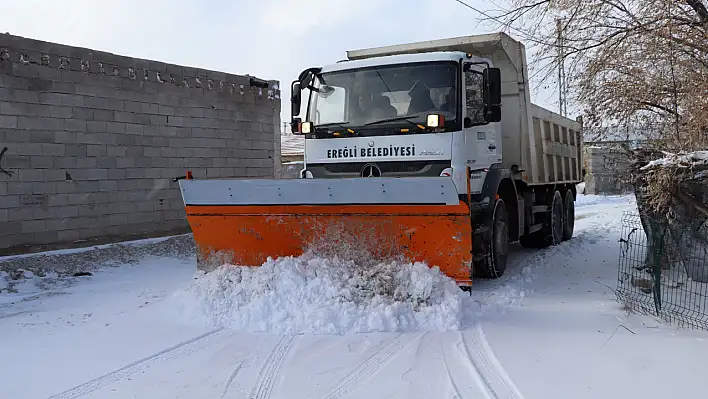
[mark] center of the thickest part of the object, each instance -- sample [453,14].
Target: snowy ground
[550,328]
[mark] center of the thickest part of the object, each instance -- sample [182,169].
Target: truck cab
[409,115]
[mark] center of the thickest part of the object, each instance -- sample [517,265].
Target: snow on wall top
[682,160]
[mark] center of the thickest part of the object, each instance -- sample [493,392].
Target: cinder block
[97,174]
[103,115]
[89,138]
[116,151]
[151,151]
[82,113]
[32,226]
[84,163]
[50,98]
[114,104]
[44,214]
[125,162]
[132,128]
[64,137]
[72,100]
[76,125]
[8,122]
[66,186]
[115,127]
[96,150]
[67,235]
[41,136]
[60,112]
[53,175]
[26,96]
[96,127]
[107,162]
[116,174]
[75,150]
[29,148]
[108,185]
[53,149]
[41,162]
[46,237]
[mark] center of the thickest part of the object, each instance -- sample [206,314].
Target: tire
[568,215]
[553,227]
[498,247]
[554,230]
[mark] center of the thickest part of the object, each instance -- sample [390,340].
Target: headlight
[435,120]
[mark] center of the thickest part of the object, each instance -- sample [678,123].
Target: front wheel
[497,248]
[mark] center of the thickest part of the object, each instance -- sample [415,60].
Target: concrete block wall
[606,165]
[93,140]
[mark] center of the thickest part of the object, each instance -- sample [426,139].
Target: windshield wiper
[406,118]
[340,124]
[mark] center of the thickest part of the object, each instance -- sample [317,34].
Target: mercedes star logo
[370,170]
[371,143]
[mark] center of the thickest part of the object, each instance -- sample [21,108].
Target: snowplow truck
[429,151]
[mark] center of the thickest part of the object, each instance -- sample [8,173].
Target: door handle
[492,147]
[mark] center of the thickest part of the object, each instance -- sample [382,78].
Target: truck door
[480,138]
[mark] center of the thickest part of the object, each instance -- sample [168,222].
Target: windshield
[386,97]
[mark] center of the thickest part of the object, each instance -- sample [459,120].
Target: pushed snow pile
[311,294]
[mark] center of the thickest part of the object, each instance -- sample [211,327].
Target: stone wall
[93,140]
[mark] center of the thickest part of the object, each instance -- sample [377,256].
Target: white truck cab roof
[399,59]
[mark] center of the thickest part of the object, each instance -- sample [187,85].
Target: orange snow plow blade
[280,221]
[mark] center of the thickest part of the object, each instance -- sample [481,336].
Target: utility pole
[562,99]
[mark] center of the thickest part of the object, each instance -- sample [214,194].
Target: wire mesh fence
[663,267]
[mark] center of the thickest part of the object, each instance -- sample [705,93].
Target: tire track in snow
[382,352]
[173,352]
[487,367]
[271,368]
[457,394]
[242,358]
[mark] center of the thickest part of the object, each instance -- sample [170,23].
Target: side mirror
[306,79]
[492,113]
[492,86]
[295,99]
[467,122]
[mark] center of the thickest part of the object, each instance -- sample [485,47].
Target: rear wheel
[553,226]
[568,216]
[554,232]
[494,264]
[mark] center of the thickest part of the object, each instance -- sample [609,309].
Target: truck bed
[555,153]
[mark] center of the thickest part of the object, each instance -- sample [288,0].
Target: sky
[270,39]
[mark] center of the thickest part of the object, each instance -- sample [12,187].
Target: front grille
[386,167]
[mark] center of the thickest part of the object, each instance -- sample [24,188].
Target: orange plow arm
[243,222]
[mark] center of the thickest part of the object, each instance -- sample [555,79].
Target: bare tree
[639,62]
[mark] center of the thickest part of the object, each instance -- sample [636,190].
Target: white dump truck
[431,151]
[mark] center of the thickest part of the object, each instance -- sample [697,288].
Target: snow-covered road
[550,328]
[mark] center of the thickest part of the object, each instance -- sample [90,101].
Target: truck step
[481,230]
[536,227]
[539,208]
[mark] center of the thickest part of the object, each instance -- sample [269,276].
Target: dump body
[543,145]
